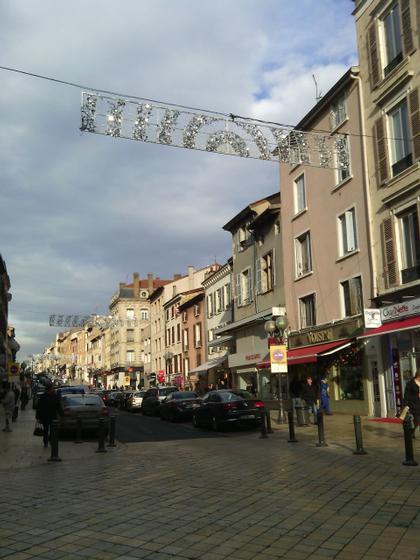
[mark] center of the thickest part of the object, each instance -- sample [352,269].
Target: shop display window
[351,383]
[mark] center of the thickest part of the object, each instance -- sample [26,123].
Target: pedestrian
[295,389]
[325,396]
[47,410]
[15,413]
[310,395]
[24,397]
[412,398]
[8,402]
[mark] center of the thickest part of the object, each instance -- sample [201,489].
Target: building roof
[252,210]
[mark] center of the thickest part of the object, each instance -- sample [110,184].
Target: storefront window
[351,383]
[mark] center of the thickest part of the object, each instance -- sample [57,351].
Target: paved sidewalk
[235,497]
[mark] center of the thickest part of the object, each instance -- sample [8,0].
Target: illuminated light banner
[211,132]
[90,321]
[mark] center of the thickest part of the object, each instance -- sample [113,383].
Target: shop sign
[372,318]
[391,312]
[278,358]
[320,336]
[253,357]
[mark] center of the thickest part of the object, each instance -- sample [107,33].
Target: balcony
[410,274]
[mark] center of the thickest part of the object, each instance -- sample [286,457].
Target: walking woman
[412,398]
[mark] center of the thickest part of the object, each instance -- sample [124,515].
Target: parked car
[113,398]
[90,408]
[179,405]
[153,397]
[221,408]
[70,389]
[134,400]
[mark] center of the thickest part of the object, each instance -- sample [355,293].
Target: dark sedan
[179,405]
[222,408]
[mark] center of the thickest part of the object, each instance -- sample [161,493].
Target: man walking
[47,410]
[310,396]
[8,405]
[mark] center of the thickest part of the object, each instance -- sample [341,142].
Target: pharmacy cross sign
[181,127]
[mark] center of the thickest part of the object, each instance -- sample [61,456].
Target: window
[265,273]
[399,138]
[210,310]
[299,194]
[130,356]
[218,302]
[343,172]
[130,314]
[144,314]
[244,287]
[196,310]
[392,39]
[338,112]
[347,232]
[184,316]
[178,333]
[307,313]
[226,296]
[197,335]
[352,298]
[173,335]
[130,335]
[303,254]
[186,365]
[243,237]
[167,314]
[410,245]
[211,335]
[185,339]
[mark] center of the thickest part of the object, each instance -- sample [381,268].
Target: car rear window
[77,400]
[237,396]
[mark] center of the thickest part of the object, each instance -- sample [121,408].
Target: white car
[134,402]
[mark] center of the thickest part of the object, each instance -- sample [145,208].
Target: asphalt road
[134,427]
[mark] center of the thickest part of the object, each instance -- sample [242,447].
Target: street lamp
[275,328]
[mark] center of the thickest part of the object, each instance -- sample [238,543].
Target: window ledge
[341,183]
[407,171]
[347,255]
[298,214]
[394,81]
[297,278]
[339,125]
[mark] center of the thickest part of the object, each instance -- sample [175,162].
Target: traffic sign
[13,368]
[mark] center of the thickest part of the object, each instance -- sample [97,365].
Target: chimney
[177,276]
[150,282]
[136,285]
[191,270]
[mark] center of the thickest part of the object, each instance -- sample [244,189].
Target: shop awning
[393,326]
[308,354]
[209,365]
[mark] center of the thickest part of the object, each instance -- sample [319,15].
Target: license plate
[248,416]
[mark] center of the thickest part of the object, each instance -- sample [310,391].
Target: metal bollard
[408,442]
[291,420]
[268,420]
[54,442]
[263,426]
[358,434]
[79,438]
[321,433]
[101,436]
[112,422]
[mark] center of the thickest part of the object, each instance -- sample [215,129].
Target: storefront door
[373,367]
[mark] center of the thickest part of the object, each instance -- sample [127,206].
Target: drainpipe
[367,192]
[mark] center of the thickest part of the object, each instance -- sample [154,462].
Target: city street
[187,493]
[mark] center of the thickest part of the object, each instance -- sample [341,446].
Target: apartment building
[5,297]
[257,274]
[166,343]
[327,257]
[191,309]
[389,53]
[130,314]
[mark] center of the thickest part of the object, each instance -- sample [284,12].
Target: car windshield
[185,395]
[81,400]
[140,394]
[237,396]
[167,390]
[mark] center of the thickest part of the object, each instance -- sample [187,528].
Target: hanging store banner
[182,127]
[278,358]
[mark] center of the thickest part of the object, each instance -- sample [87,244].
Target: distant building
[5,297]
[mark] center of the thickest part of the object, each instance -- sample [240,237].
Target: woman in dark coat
[47,410]
[412,397]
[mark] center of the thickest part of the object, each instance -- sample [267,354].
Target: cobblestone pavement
[235,497]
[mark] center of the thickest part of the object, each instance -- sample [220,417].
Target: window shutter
[350,230]
[250,285]
[380,150]
[273,266]
[373,58]
[209,306]
[238,291]
[258,267]
[388,246]
[413,100]
[407,32]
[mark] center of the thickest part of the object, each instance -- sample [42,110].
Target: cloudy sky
[81,212]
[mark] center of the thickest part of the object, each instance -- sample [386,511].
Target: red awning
[264,364]
[393,326]
[308,354]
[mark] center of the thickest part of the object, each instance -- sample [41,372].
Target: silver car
[89,408]
[135,400]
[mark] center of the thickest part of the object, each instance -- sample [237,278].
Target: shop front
[333,352]
[212,374]
[398,339]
